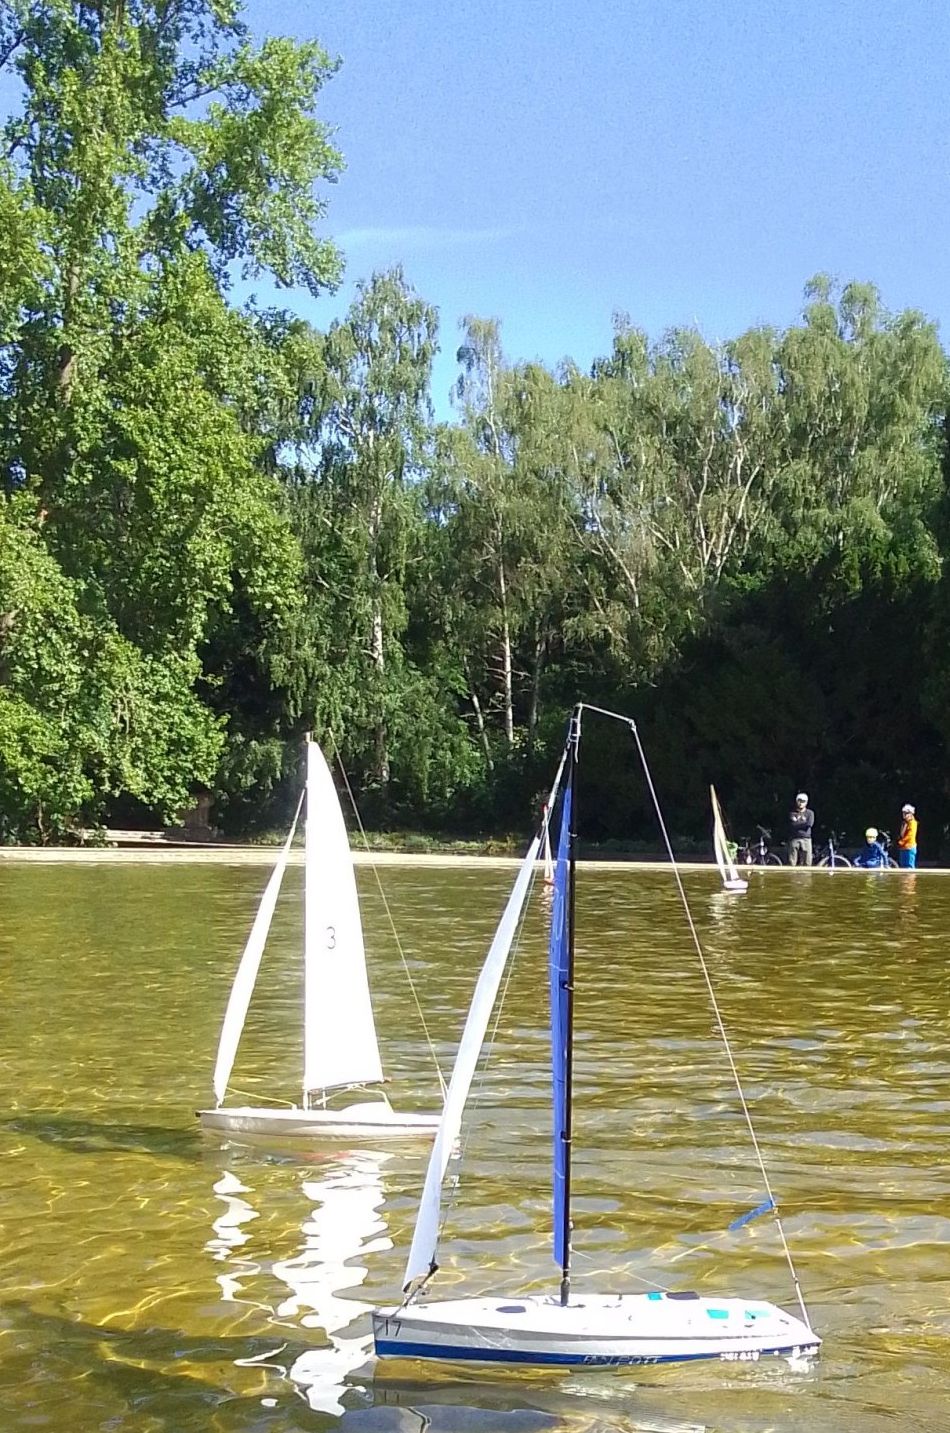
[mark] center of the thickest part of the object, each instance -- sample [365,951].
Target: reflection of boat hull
[598,1329]
[374,1119]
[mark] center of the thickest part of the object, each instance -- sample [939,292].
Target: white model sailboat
[340,1047]
[728,870]
[583,1330]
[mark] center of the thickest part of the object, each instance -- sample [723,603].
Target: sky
[552,162]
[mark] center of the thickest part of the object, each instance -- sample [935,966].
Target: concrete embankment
[162,853]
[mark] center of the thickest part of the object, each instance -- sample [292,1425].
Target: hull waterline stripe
[395,1348]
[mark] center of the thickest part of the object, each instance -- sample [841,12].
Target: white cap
[907,807]
[802,796]
[871,833]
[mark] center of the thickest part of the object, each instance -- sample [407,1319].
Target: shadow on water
[416,1415]
[469,1407]
[149,1372]
[87,1136]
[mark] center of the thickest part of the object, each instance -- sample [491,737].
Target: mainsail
[244,980]
[339,1033]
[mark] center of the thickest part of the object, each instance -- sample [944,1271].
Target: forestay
[246,977]
[426,1235]
[340,1045]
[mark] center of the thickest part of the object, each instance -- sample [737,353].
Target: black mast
[568,988]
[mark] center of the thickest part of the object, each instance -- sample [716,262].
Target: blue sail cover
[558,968]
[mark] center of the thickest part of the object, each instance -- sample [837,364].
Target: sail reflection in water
[230,1235]
[345,1225]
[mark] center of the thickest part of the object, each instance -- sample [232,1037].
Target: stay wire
[715,1006]
[389,917]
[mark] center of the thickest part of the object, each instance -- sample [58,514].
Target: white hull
[609,1330]
[371,1120]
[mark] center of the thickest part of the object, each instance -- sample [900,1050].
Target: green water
[154,1278]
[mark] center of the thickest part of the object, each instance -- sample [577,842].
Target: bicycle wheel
[773,860]
[841,861]
[891,864]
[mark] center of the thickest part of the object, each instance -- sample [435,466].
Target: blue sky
[548,162]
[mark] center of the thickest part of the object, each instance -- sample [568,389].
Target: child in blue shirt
[873,853]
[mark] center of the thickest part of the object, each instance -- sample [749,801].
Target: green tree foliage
[85,715]
[354,463]
[155,152]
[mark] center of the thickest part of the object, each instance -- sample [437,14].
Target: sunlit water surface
[155,1278]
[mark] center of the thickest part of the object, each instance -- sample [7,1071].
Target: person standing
[800,823]
[907,840]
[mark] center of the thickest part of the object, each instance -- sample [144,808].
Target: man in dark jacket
[800,822]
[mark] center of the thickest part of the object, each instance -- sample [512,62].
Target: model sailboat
[728,870]
[340,1046]
[591,1329]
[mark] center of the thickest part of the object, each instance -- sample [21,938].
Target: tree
[371,433]
[154,154]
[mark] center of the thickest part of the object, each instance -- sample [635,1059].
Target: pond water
[153,1278]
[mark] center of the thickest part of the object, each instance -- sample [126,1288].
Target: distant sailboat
[340,1047]
[587,1329]
[728,870]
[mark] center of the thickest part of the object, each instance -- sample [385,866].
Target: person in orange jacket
[907,840]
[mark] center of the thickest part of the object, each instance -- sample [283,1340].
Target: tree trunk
[479,715]
[376,644]
[506,657]
[540,647]
[66,354]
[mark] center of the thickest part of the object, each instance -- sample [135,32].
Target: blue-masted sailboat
[565,1329]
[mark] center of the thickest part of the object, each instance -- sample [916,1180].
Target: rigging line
[716,1011]
[389,917]
[595,1259]
[271,1099]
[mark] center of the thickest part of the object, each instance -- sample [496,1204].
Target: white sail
[426,1233]
[244,980]
[548,857]
[339,1034]
[728,869]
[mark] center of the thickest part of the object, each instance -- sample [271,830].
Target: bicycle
[757,853]
[832,858]
[884,837]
